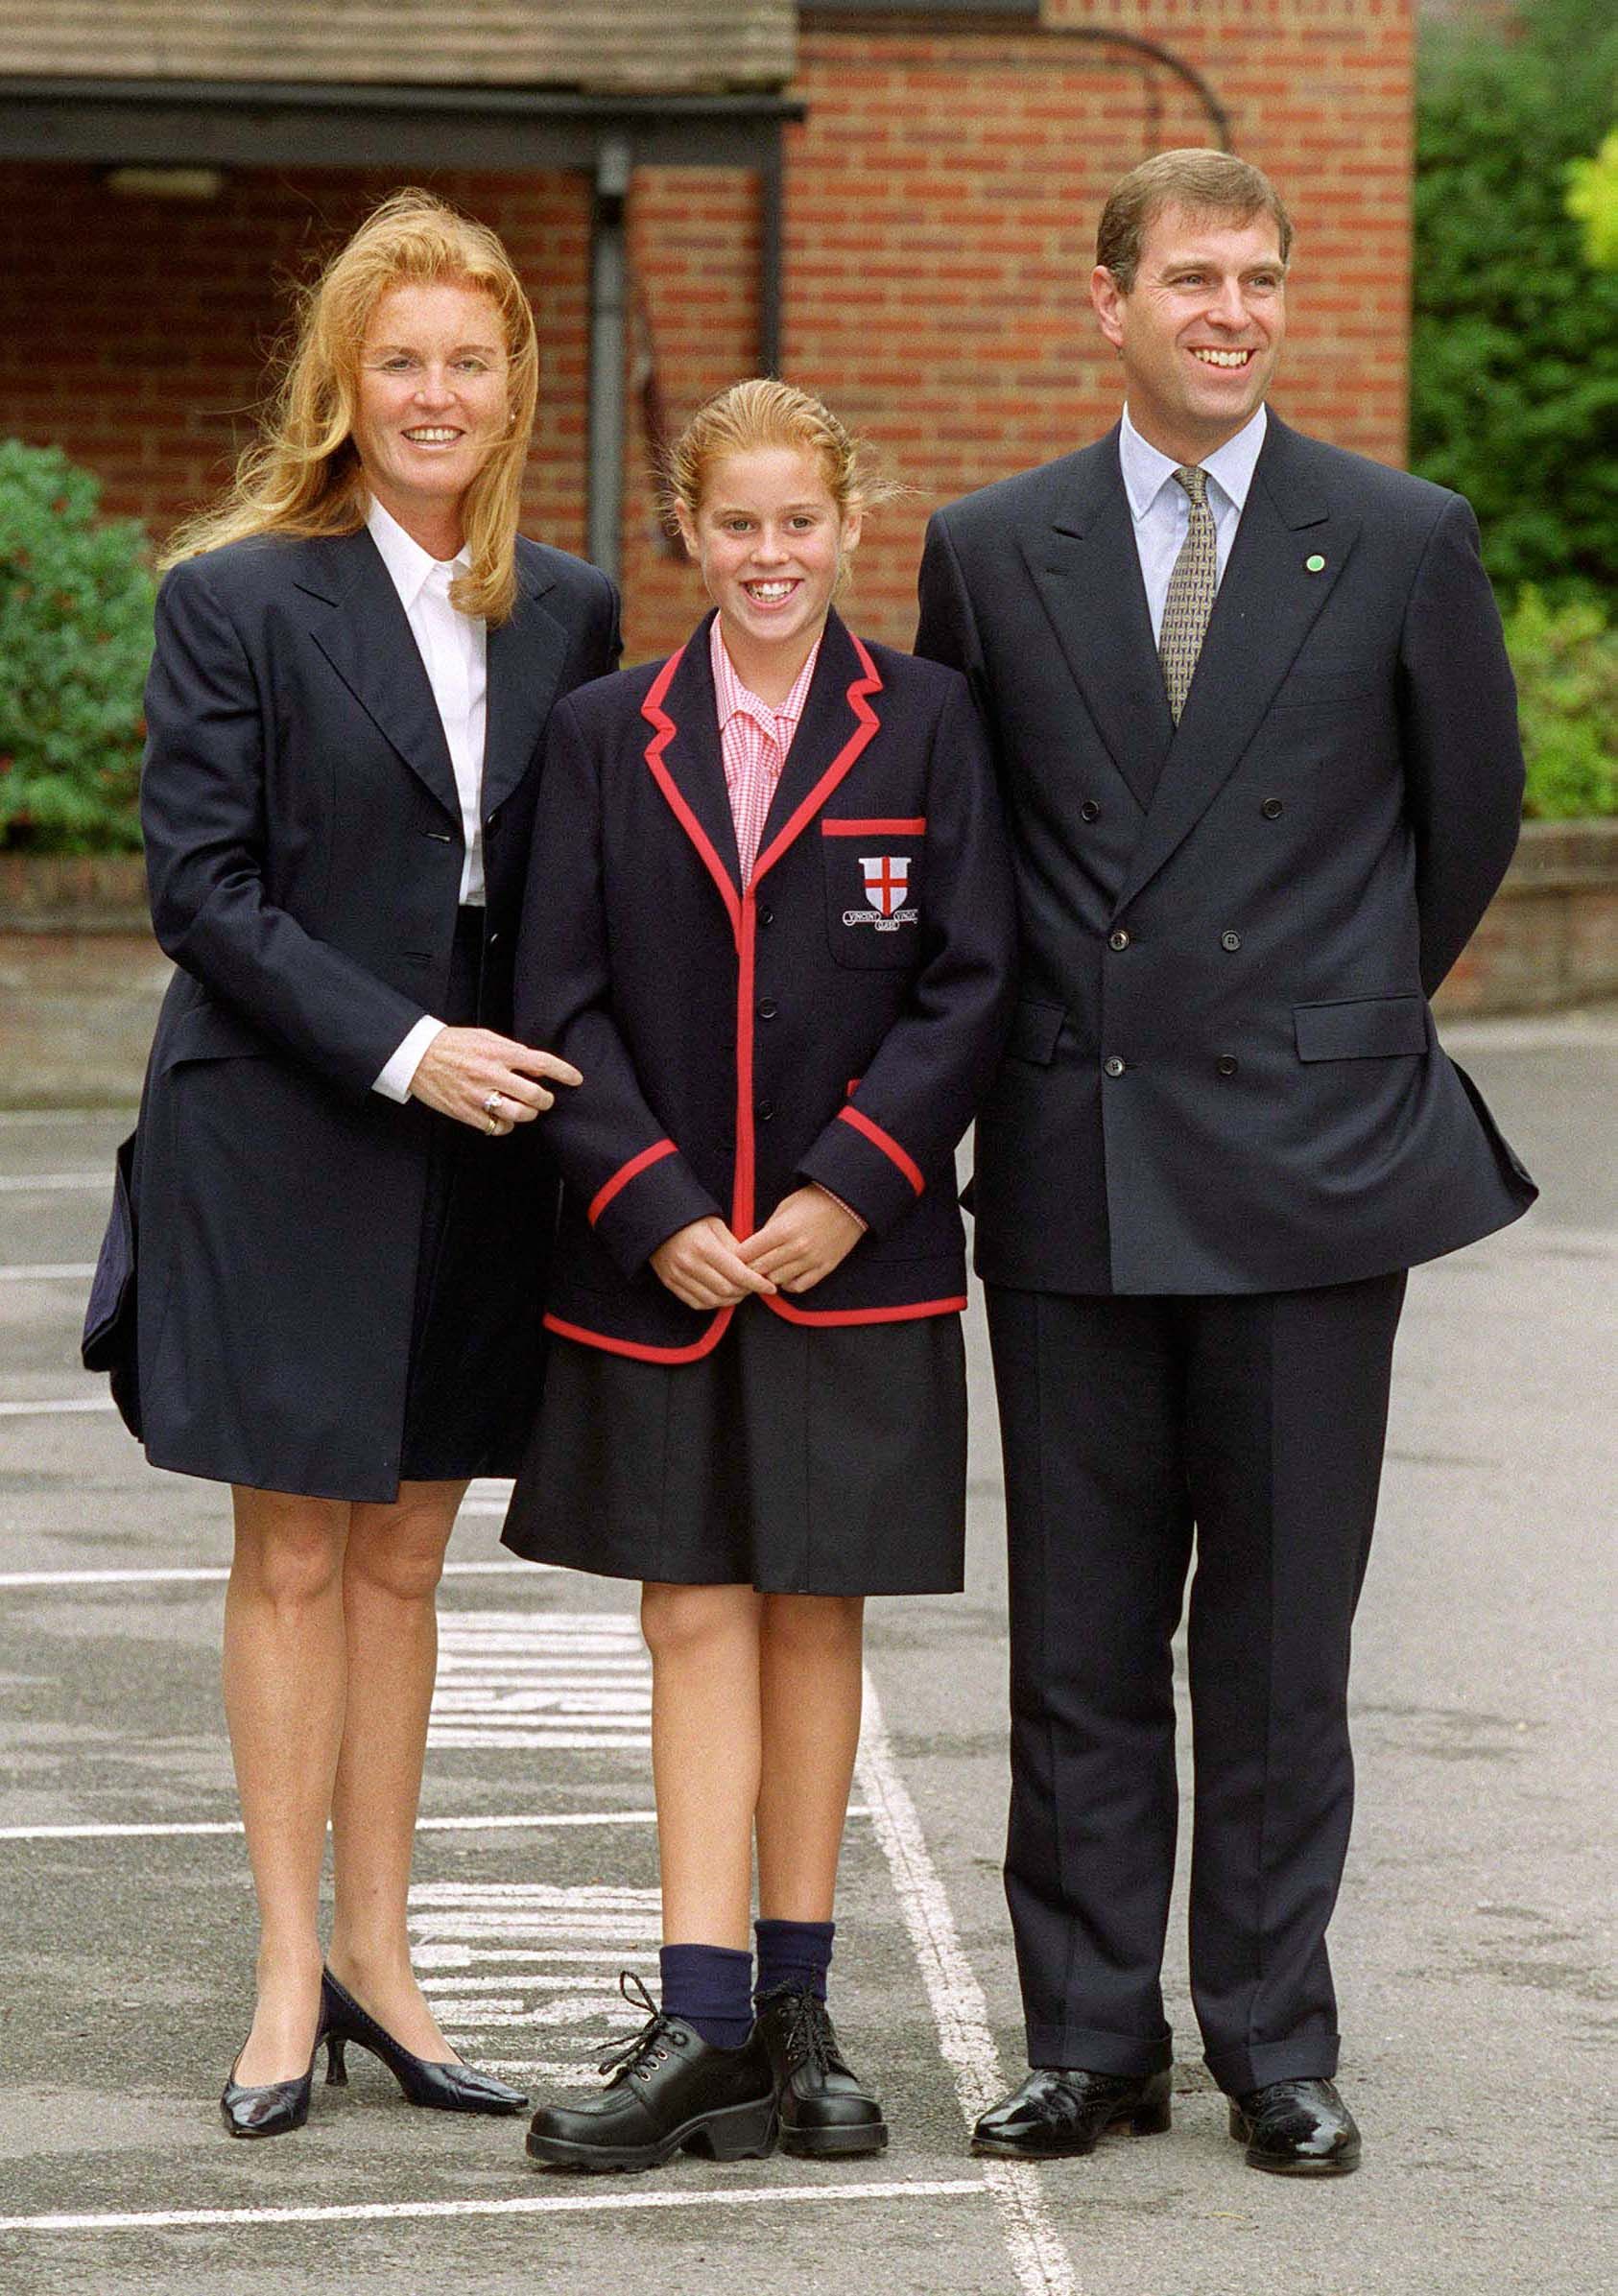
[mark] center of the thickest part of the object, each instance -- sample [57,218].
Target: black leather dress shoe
[670,2092]
[275,2108]
[824,2108]
[451,2087]
[1061,2112]
[1297,2128]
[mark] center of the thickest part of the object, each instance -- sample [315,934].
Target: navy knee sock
[708,1986]
[792,1953]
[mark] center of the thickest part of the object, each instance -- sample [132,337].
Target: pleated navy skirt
[796,1459]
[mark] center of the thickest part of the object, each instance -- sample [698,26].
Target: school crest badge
[887,881]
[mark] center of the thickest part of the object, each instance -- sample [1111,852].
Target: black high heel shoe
[278,2107]
[453,2088]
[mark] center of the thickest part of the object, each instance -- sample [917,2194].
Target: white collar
[406,562]
[1147,471]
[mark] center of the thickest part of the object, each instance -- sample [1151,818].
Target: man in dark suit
[1258,742]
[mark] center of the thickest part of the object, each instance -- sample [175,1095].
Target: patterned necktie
[1191,593]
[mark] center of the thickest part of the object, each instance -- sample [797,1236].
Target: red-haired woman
[340,1206]
[770,921]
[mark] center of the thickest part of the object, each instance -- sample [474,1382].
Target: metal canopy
[404,128]
[241,123]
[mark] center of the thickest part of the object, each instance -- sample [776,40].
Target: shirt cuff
[399,1075]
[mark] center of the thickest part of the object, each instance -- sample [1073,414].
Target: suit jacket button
[1113,1066]
[492,824]
[1119,939]
[766,914]
[1230,940]
[1272,809]
[1089,811]
[767,1010]
[493,939]
[764,1111]
[1227,1064]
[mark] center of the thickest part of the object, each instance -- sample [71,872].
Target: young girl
[770,922]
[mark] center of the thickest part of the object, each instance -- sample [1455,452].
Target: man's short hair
[1207,182]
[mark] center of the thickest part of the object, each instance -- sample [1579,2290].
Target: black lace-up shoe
[668,2090]
[825,2107]
[1297,2128]
[1061,2113]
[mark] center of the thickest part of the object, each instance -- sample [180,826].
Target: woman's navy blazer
[304,848]
[835,1020]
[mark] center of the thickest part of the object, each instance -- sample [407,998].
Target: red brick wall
[942,200]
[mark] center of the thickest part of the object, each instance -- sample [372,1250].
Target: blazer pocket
[1361,1028]
[1034,1030]
[875,871]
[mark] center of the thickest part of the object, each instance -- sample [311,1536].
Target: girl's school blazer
[835,1020]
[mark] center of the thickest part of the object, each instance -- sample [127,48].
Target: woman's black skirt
[457,1406]
[796,1459]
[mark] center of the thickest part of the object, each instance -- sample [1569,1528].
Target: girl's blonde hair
[763,413]
[302,474]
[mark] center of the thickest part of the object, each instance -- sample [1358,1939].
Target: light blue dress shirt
[1161,510]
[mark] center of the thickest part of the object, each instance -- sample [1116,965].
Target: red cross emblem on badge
[887,878]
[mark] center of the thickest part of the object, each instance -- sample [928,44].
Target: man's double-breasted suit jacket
[1223,1074]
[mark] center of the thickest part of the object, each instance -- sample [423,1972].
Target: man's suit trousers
[1251,1427]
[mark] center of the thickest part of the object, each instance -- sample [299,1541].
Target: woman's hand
[703,1266]
[808,1234]
[491,1083]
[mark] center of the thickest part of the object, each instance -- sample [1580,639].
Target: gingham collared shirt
[753,740]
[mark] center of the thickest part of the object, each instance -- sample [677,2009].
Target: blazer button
[1227,1064]
[1272,809]
[766,914]
[1089,811]
[767,1010]
[492,824]
[1230,940]
[493,939]
[764,1111]
[1113,1066]
[1119,939]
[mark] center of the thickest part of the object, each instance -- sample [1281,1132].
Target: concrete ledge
[81,977]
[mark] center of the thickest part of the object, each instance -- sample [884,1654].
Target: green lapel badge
[1317,564]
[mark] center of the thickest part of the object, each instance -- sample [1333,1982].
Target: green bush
[76,597]
[1513,385]
[1566,661]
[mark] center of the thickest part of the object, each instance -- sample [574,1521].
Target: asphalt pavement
[1472,1941]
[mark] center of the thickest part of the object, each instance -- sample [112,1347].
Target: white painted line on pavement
[50,1183]
[530,1679]
[960,2013]
[218,1572]
[56,1405]
[50,1271]
[497,1823]
[372,2212]
[488,1823]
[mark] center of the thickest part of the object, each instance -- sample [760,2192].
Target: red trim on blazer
[653,711]
[885,1141]
[624,1174]
[640,1349]
[908,1313]
[915,828]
